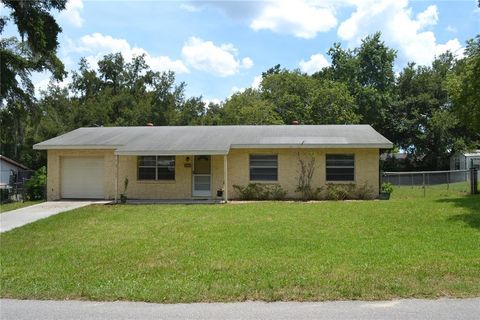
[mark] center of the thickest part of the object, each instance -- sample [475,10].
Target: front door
[202,177]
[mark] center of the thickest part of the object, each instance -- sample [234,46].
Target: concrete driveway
[441,309]
[20,217]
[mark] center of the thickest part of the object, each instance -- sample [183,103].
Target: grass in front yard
[261,251]
[16,205]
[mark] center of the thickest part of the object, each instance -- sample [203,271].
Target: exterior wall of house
[54,169]
[180,188]
[366,171]
[366,167]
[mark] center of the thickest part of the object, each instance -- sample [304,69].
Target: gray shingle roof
[216,139]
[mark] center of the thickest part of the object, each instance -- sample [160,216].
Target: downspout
[116,178]
[225,178]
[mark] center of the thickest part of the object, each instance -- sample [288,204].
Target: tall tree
[424,123]
[464,87]
[248,107]
[299,97]
[34,51]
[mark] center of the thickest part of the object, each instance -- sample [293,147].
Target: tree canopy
[429,111]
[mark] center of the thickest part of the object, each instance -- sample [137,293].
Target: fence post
[473,181]
[380,181]
[448,180]
[423,183]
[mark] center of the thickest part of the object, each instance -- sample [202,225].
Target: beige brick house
[204,162]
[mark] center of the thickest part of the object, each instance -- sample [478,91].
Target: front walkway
[395,309]
[20,217]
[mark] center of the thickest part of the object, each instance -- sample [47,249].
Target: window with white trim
[340,167]
[156,168]
[263,167]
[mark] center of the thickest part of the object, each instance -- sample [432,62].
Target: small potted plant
[386,190]
[123,196]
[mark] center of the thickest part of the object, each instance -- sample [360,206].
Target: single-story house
[9,167]
[194,162]
[465,160]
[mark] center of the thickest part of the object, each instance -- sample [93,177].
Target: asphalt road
[341,310]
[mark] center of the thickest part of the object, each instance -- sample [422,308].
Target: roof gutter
[170,152]
[312,146]
[66,147]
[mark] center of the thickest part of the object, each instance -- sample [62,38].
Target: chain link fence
[16,188]
[430,183]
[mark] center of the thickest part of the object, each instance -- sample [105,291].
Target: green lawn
[16,205]
[405,247]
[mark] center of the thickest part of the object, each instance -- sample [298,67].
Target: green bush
[277,192]
[4,195]
[258,191]
[35,186]
[387,187]
[309,193]
[364,192]
[340,191]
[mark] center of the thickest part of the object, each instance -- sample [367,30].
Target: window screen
[340,167]
[263,167]
[156,168]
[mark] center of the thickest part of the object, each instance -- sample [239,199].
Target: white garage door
[82,178]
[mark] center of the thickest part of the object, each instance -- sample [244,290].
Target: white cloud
[236,89]
[316,63]
[190,7]
[219,60]
[399,29]
[257,81]
[238,10]
[429,17]
[97,45]
[301,18]
[41,85]
[42,80]
[451,29]
[453,46]
[247,63]
[212,100]
[72,11]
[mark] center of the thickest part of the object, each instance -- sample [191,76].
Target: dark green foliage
[429,111]
[248,107]
[340,191]
[298,97]
[260,191]
[36,185]
[387,187]
[34,51]
[463,85]
[252,191]
[277,192]
[364,192]
[4,195]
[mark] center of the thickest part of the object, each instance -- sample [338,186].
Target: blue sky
[219,47]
